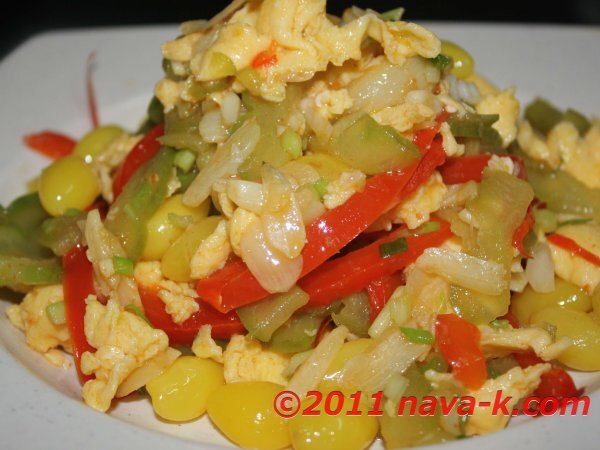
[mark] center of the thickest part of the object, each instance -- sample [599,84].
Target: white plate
[43,88]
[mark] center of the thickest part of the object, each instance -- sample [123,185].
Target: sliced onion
[311,372]
[392,354]
[150,370]
[211,127]
[246,194]
[224,162]
[281,217]
[273,270]
[486,277]
[540,269]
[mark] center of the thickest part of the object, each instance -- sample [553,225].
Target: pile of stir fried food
[315,203]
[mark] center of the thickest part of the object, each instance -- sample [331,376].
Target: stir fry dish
[315,203]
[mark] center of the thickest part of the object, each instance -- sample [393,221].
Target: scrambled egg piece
[535,147]
[340,190]
[102,247]
[517,383]
[330,103]
[573,268]
[501,163]
[245,360]
[506,106]
[168,92]
[581,157]
[238,224]
[484,86]
[204,346]
[302,37]
[41,334]
[123,341]
[496,343]
[179,298]
[405,116]
[427,199]
[212,253]
[451,147]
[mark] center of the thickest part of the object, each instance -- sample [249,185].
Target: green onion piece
[545,220]
[492,372]
[441,62]
[185,160]
[56,313]
[427,227]
[321,187]
[579,120]
[123,266]
[72,212]
[417,336]
[180,221]
[477,126]
[574,222]
[391,248]
[393,14]
[499,323]
[436,363]
[155,111]
[542,115]
[291,143]
[133,309]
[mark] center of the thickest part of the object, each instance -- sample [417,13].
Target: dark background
[25,18]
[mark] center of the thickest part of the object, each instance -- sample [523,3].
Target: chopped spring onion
[441,62]
[134,309]
[393,14]
[321,187]
[500,323]
[391,248]
[180,221]
[291,143]
[545,220]
[579,120]
[477,126]
[123,266]
[427,227]
[542,115]
[417,336]
[573,222]
[436,363]
[492,372]
[56,313]
[185,160]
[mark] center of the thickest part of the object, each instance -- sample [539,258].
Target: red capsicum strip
[380,291]
[50,144]
[78,283]
[521,232]
[89,88]
[144,151]
[223,325]
[470,168]
[458,340]
[266,58]
[356,270]
[328,234]
[571,246]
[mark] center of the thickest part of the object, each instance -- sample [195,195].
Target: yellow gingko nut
[463,62]
[341,431]
[68,183]
[181,392]
[96,141]
[584,354]
[565,295]
[244,412]
[168,223]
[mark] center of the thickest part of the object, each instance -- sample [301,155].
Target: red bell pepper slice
[356,270]
[571,246]
[223,325]
[50,144]
[143,151]
[380,291]
[557,383]
[266,58]
[327,234]
[470,168]
[78,283]
[521,232]
[424,138]
[458,340]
